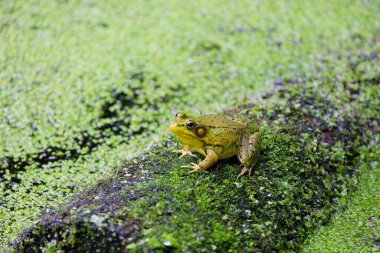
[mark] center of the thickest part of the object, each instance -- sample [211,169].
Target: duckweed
[85,86]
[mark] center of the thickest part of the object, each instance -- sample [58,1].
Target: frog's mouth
[174,127]
[178,130]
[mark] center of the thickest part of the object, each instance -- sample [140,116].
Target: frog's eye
[190,124]
[180,115]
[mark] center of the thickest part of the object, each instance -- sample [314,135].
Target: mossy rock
[309,157]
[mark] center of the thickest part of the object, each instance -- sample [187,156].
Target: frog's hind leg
[249,152]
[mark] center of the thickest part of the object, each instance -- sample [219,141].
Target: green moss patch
[310,152]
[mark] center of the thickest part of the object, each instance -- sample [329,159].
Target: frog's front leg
[210,159]
[186,150]
[249,152]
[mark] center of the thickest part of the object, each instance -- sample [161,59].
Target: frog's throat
[191,141]
[185,136]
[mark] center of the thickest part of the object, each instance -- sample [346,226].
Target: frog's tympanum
[216,137]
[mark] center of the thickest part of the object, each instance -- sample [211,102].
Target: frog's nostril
[173,126]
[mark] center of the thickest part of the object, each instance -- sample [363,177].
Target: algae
[85,85]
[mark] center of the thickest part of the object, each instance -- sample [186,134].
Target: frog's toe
[244,171]
[193,165]
[183,153]
[195,169]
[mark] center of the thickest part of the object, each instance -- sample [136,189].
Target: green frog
[216,137]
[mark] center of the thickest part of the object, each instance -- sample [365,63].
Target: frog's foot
[244,171]
[183,152]
[195,167]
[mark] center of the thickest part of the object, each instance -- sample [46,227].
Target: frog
[216,137]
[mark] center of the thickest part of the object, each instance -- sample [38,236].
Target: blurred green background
[85,85]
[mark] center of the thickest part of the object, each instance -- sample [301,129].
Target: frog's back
[223,132]
[220,121]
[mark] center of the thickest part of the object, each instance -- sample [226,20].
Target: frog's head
[188,126]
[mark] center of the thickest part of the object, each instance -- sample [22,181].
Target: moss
[307,162]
